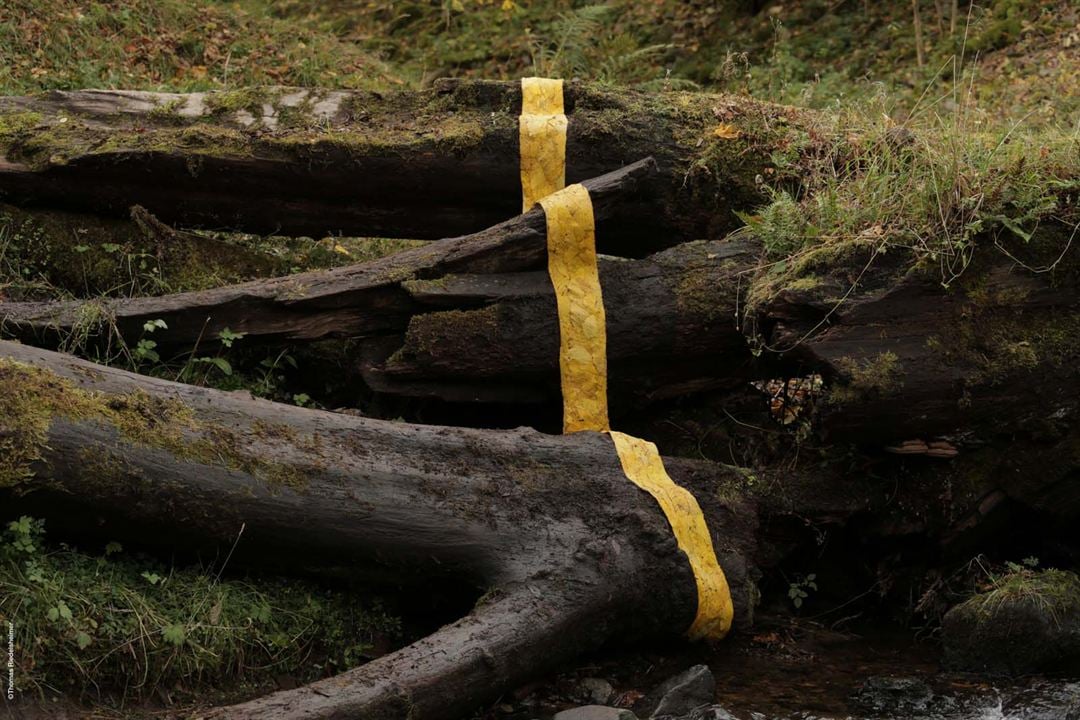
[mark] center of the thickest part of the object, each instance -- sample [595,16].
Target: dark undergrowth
[113,627]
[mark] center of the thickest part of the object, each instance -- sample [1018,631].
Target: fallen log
[572,552]
[495,338]
[356,300]
[473,319]
[415,164]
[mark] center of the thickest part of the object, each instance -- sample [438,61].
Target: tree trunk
[425,164]
[572,551]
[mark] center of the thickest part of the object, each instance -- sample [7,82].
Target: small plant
[145,349]
[228,337]
[799,590]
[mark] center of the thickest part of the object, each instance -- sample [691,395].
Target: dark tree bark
[572,551]
[426,164]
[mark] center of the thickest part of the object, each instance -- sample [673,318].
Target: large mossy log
[571,551]
[989,360]
[423,164]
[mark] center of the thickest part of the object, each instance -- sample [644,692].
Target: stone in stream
[595,712]
[680,695]
[596,690]
[1045,701]
[1027,622]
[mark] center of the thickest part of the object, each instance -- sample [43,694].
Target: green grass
[116,627]
[935,188]
[176,45]
[1053,592]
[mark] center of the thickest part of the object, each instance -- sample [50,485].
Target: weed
[799,590]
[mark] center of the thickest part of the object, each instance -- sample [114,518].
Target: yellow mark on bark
[571,244]
[643,466]
[542,131]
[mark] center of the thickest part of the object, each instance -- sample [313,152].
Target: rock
[596,690]
[892,696]
[680,695]
[1028,622]
[595,712]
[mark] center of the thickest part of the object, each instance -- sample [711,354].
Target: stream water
[810,673]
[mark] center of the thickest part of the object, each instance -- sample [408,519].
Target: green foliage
[799,590]
[1001,24]
[116,626]
[1052,591]
[582,43]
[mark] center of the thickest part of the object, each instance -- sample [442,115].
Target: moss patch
[880,375]
[31,399]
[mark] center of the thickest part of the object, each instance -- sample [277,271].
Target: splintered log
[572,552]
[672,329]
[415,164]
[357,300]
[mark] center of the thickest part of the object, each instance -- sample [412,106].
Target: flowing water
[800,672]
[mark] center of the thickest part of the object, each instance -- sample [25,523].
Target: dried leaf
[726,131]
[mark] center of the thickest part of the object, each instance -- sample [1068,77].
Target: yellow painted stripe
[571,242]
[542,131]
[571,248]
[643,466]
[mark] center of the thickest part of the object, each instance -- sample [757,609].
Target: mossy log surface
[423,164]
[990,362]
[672,330]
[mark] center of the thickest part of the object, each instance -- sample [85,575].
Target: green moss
[299,113]
[31,399]
[16,123]
[168,112]
[704,283]
[469,328]
[880,375]
[822,268]
[803,284]
[992,343]
[250,99]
